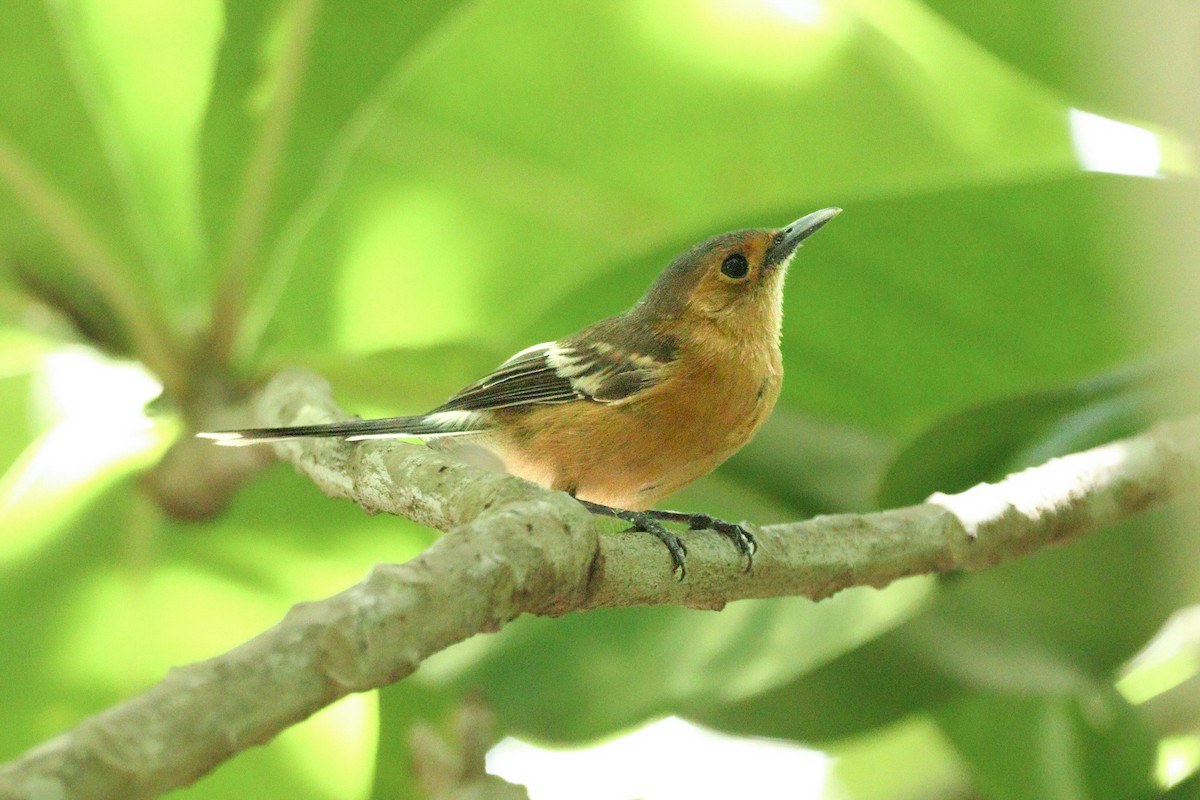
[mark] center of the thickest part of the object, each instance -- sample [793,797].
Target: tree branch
[513,547]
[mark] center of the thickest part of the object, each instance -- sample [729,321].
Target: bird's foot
[742,539]
[651,521]
[644,521]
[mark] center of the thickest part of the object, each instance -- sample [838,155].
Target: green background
[413,190]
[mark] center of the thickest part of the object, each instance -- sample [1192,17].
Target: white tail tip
[219,436]
[231,439]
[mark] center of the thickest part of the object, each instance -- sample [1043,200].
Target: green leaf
[900,762]
[117,143]
[1065,47]
[1040,598]
[295,81]
[495,176]
[40,597]
[401,706]
[143,73]
[991,440]
[817,466]
[57,138]
[402,380]
[14,404]
[1016,628]
[588,675]
[1052,747]
[1186,789]
[876,684]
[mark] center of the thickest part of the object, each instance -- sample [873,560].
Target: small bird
[634,407]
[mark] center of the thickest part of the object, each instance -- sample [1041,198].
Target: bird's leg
[651,521]
[644,521]
[742,539]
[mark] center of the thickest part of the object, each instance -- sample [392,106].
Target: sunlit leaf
[1047,747]
[488,178]
[142,71]
[898,762]
[294,84]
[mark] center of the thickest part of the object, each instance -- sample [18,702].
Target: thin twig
[513,547]
[258,183]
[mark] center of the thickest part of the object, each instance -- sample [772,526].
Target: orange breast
[633,453]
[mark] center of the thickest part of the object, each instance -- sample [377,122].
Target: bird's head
[734,279]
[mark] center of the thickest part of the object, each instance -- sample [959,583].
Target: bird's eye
[735,266]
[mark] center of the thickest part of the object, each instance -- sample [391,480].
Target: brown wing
[581,368]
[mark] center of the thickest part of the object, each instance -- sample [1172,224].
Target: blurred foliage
[401,193]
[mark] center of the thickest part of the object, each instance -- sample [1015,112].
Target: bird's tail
[440,423]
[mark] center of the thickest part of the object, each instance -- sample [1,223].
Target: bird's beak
[790,237]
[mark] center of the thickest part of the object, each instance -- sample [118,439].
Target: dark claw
[650,521]
[641,521]
[742,539]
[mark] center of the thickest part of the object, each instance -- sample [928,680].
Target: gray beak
[790,237]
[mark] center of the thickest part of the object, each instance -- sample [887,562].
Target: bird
[631,408]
